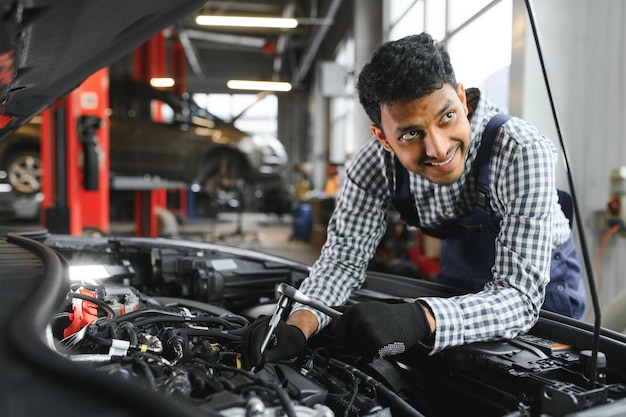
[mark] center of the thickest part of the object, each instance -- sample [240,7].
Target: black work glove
[377,329]
[286,343]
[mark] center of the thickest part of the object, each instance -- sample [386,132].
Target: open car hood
[49,47]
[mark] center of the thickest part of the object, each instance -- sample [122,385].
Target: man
[504,236]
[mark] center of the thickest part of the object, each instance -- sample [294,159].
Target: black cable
[235,324]
[147,372]
[396,402]
[139,313]
[97,301]
[579,223]
[282,395]
[173,319]
[355,390]
[210,333]
[26,335]
[232,323]
[129,329]
[310,363]
[99,340]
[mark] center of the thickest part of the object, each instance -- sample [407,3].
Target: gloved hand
[377,329]
[287,342]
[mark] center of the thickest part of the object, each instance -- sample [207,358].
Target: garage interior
[320,124]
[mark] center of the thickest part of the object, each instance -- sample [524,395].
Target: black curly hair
[405,69]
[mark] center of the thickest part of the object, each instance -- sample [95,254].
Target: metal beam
[309,54]
[190,53]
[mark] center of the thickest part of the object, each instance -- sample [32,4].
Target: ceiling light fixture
[258,85]
[162,82]
[245,21]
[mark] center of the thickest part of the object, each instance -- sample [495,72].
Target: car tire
[25,171]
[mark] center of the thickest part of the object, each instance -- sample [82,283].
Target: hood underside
[48,47]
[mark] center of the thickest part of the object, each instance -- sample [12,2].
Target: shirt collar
[481,110]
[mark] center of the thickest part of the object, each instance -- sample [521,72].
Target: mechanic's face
[430,135]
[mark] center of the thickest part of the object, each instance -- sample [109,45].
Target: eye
[409,135]
[447,117]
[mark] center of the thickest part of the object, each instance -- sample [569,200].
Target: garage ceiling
[215,55]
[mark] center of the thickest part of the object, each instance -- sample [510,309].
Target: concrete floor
[256,231]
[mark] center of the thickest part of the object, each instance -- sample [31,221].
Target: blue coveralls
[468,243]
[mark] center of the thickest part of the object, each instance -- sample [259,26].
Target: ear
[460,91]
[380,135]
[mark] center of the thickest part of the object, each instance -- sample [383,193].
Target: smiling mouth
[446,162]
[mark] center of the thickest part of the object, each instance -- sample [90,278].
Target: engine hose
[172,319]
[30,323]
[214,334]
[146,371]
[403,408]
[280,392]
[129,329]
[355,391]
[139,313]
[97,301]
[98,339]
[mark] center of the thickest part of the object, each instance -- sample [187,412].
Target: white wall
[584,50]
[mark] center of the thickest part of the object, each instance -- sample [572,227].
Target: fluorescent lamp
[162,82]
[244,21]
[258,85]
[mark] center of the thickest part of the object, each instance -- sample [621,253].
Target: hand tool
[288,294]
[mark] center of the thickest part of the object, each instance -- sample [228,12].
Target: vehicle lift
[150,61]
[75,150]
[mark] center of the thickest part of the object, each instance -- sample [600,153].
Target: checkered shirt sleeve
[354,231]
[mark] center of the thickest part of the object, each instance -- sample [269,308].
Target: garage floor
[256,231]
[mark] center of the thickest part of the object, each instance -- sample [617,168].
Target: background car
[158,133]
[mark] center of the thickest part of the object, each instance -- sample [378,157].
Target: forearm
[305,321]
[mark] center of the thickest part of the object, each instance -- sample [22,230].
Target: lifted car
[188,144]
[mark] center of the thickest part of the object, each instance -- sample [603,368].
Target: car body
[185,143]
[156,330]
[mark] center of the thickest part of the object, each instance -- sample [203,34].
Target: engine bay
[164,318]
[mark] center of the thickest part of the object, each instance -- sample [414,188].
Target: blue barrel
[302,221]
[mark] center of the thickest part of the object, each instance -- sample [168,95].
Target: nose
[436,144]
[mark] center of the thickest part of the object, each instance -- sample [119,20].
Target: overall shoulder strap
[402,199]
[481,164]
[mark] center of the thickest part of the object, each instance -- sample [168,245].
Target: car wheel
[24,171]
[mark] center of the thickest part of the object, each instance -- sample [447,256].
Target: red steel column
[93,99]
[55,210]
[179,68]
[68,207]
[149,62]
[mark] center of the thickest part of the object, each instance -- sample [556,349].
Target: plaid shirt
[523,197]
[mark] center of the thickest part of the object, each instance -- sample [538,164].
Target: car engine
[165,317]
[187,350]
